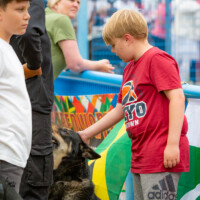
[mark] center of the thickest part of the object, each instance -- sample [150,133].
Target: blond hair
[51,3]
[125,21]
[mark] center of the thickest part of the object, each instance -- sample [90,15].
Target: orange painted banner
[79,112]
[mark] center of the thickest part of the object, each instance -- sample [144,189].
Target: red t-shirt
[146,111]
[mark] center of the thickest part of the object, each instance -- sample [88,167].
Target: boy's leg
[11,173]
[160,185]
[138,194]
[38,173]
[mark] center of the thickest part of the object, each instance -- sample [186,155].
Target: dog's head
[68,145]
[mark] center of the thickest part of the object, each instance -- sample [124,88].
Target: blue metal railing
[92,82]
[85,83]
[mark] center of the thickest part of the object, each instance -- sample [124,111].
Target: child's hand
[171,156]
[84,137]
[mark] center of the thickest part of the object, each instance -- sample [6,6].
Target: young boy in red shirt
[152,102]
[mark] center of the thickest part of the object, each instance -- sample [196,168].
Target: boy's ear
[0,12]
[128,38]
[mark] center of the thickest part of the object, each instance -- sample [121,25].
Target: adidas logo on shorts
[165,189]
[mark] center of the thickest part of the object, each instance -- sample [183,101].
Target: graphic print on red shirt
[130,108]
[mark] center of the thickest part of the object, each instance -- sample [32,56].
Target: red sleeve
[164,72]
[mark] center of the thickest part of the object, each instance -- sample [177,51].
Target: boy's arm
[176,116]
[111,118]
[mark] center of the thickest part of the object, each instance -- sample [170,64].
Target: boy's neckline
[149,49]
[4,40]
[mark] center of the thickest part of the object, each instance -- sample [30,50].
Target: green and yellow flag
[110,171]
[189,183]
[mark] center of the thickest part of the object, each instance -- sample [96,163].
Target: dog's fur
[71,171]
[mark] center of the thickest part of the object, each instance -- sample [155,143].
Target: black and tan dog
[71,171]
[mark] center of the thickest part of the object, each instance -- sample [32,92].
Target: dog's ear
[89,153]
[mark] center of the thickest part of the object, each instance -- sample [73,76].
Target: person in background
[152,102]
[15,107]
[64,47]
[125,4]
[33,49]
[157,34]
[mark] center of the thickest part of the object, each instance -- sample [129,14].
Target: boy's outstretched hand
[84,137]
[171,156]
